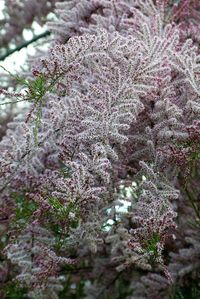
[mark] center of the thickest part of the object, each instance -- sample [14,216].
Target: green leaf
[14,291]
[151,244]
[24,209]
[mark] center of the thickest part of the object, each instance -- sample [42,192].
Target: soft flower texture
[114,110]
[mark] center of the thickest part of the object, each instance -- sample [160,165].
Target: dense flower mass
[99,172]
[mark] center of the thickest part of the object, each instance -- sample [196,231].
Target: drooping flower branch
[113,119]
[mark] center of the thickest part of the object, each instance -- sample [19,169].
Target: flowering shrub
[113,118]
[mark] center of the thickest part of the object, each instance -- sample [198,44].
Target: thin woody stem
[24,45]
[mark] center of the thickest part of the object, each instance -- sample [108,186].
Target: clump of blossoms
[94,202]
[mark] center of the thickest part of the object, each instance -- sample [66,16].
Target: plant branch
[24,45]
[109,285]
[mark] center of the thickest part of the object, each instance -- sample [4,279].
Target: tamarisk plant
[113,118]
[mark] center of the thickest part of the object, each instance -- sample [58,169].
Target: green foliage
[14,291]
[61,236]
[24,209]
[123,289]
[194,149]
[65,171]
[151,245]
[62,212]
[35,90]
[190,292]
